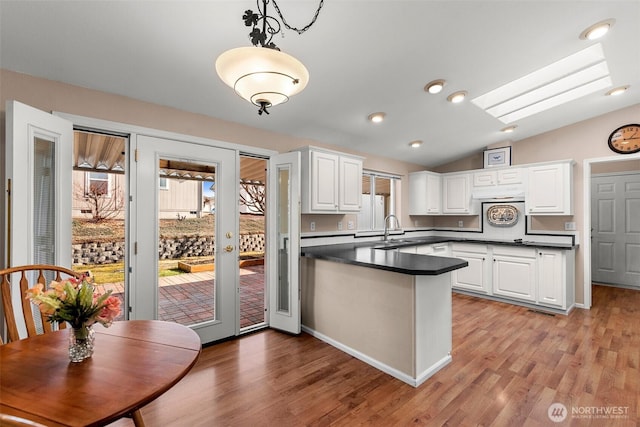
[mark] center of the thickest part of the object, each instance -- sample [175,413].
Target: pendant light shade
[265,77]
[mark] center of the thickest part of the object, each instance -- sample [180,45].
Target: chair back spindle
[29,311]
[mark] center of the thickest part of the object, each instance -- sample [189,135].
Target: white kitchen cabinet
[550,189]
[424,193]
[456,194]
[556,287]
[510,176]
[331,181]
[350,180]
[514,273]
[489,178]
[476,276]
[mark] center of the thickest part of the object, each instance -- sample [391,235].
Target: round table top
[133,363]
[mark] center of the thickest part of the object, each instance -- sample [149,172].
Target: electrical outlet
[350,225]
[339,225]
[569,226]
[460,224]
[312,226]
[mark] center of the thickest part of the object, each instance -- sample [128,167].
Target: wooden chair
[59,273]
[28,309]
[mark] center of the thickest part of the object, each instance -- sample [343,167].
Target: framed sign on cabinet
[496,157]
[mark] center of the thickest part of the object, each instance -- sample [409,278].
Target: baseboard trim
[408,379]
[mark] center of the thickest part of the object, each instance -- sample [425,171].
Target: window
[379,192]
[163,183]
[98,184]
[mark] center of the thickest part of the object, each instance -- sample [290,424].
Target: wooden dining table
[133,363]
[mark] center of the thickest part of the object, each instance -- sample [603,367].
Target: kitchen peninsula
[387,308]
[389,303]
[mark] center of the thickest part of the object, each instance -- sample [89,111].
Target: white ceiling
[363,57]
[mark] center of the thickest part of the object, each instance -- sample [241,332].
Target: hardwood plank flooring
[509,365]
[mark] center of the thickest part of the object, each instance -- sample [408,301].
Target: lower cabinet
[555,266]
[514,273]
[543,277]
[473,277]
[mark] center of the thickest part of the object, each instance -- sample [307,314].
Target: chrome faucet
[386,221]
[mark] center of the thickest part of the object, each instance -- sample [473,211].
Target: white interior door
[283,231]
[170,165]
[39,168]
[615,219]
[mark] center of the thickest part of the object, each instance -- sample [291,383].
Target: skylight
[570,78]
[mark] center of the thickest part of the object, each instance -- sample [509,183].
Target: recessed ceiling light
[376,117]
[597,30]
[617,90]
[570,78]
[509,129]
[415,144]
[457,97]
[435,86]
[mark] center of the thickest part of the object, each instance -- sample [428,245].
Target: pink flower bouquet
[75,301]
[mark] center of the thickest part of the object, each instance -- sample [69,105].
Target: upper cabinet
[489,178]
[331,181]
[547,189]
[350,183]
[550,189]
[456,194]
[424,193]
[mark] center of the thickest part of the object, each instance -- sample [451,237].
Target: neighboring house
[104,192]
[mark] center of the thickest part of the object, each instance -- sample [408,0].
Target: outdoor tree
[253,196]
[102,203]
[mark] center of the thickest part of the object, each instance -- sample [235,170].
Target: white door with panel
[615,224]
[180,163]
[283,229]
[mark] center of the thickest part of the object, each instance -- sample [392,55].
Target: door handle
[228,248]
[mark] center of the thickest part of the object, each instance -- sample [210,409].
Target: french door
[206,302]
[39,170]
[37,200]
[38,180]
[283,250]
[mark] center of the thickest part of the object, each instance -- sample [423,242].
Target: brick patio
[188,298]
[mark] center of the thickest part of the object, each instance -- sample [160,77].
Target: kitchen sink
[393,244]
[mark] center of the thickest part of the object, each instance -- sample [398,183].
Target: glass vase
[81,342]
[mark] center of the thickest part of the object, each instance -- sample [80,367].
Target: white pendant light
[265,77]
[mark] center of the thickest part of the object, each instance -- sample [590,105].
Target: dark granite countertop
[366,255]
[381,256]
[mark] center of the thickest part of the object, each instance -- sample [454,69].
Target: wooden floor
[509,366]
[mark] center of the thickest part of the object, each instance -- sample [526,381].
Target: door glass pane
[99,191]
[186,214]
[282,198]
[44,174]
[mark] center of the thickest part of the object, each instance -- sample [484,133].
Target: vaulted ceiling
[362,56]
